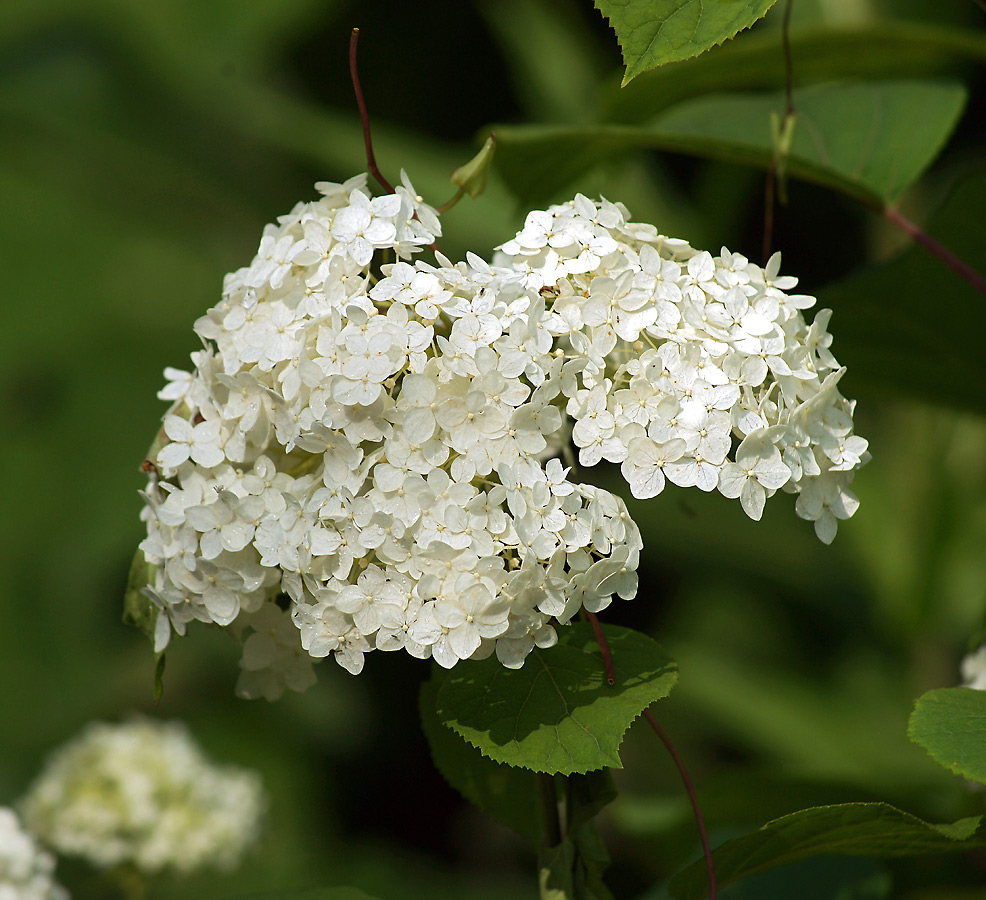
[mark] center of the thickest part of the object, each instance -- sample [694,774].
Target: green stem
[445,207]
[551,827]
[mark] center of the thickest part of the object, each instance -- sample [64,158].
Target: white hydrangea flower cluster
[26,871]
[367,454]
[143,793]
[694,369]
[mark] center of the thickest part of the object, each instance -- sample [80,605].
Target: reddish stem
[603,646]
[962,269]
[706,849]
[662,734]
[364,118]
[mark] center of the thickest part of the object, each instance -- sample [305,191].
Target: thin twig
[603,646]
[962,269]
[445,207]
[364,118]
[706,849]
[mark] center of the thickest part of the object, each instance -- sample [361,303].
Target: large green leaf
[508,794]
[756,62]
[858,138]
[654,32]
[557,714]
[821,878]
[950,724]
[849,829]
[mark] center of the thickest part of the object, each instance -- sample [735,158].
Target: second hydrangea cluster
[142,793]
[375,453]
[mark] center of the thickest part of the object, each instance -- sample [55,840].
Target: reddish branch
[962,269]
[603,646]
[662,734]
[706,849]
[364,118]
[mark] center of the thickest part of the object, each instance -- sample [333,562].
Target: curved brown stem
[603,646]
[706,849]
[364,118]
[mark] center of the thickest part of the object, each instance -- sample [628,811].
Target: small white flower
[201,443]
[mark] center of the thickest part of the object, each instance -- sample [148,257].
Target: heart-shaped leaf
[654,32]
[950,724]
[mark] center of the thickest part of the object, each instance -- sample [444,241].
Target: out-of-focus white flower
[367,455]
[143,793]
[26,871]
[974,669]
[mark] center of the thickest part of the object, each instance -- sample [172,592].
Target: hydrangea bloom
[26,871]
[143,793]
[368,453]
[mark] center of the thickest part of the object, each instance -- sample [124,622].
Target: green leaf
[950,724]
[555,872]
[654,32]
[506,793]
[565,872]
[472,176]
[857,138]
[821,878]
[587,795]
[849,829]
[886,49]
[557,714]
[138,610]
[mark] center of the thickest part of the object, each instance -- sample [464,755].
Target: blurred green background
[143,145]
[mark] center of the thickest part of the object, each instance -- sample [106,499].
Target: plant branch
[603,646]
[364,118]
[445,207]
[962,269]
[706,849]
[550,825]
